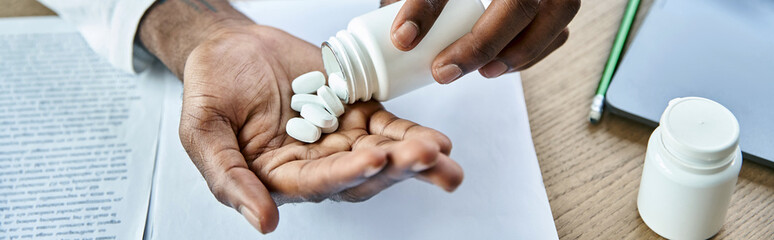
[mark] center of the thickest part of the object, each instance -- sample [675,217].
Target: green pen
[607,75]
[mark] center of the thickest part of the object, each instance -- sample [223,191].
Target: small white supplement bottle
[373,67]
[691,167]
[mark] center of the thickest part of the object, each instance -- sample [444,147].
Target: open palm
[236,103]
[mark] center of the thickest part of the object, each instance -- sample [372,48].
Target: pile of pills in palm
[319,113]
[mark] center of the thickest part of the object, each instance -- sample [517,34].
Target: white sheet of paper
[77,136]
[502,196]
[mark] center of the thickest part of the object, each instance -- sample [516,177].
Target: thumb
[413,21]
[239,188]
[212,146]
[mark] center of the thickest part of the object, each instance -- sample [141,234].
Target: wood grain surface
[592,172]
[19,8]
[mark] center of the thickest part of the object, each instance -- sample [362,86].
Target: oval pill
[308,82]
[302,130]
[339,86]
[317,115]
[330,101]
[331,128]
[299,100]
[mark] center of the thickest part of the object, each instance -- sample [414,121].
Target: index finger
[499,24]
[413,21]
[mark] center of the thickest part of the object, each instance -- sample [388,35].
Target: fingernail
[251,218]
[494,69]
[450,189]
[420,166]
[406,33]
[448,73]
[371,171]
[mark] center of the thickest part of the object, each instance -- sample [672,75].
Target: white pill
[339,86]
[317,115]
[330,101]
[308,82]
[299,100]
[302,130]
[331,128]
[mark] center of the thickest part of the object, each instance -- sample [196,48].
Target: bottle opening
[342,55]
[333,66]
[330,63]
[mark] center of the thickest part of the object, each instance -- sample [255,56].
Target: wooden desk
[592,173]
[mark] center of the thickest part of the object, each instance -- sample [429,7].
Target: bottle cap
[699,131]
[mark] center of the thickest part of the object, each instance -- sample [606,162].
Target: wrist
[172,29]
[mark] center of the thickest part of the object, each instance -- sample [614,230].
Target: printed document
[77,137]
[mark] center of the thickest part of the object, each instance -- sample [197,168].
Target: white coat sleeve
[109,27]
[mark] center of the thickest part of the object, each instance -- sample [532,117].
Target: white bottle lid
[690,170]
[700,132]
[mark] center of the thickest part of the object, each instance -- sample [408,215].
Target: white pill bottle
[374,68]
[691,167]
